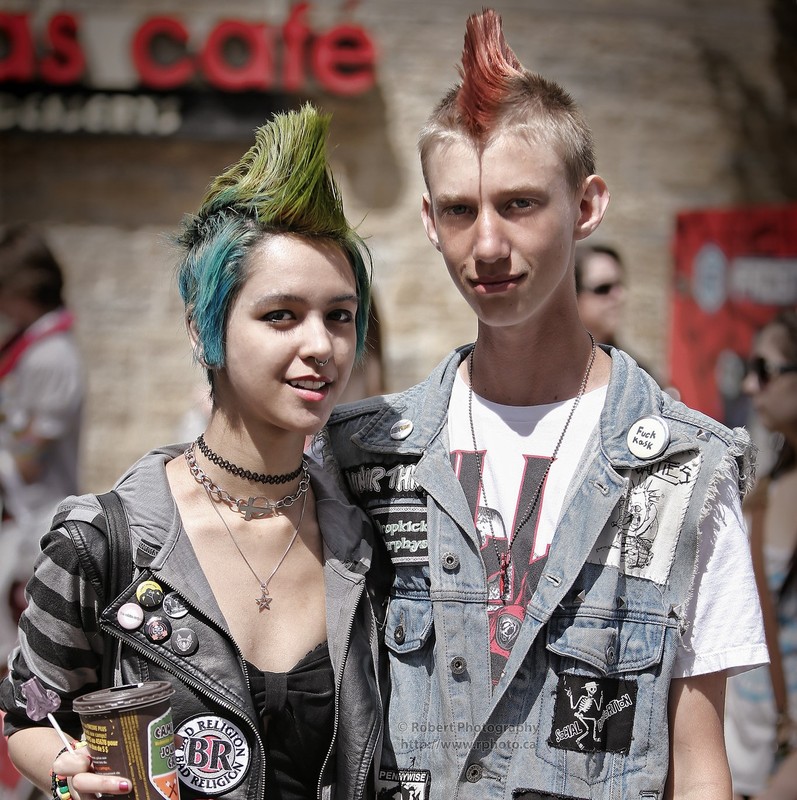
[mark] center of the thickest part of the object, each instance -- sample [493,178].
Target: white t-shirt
[515,445]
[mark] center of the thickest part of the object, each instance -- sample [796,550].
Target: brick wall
[667,88]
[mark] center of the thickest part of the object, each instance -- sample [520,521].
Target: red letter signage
[66,62]
[256,74]
[343,60]
[153,74]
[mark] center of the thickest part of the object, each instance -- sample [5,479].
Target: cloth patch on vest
[593,714]
[400,784]
[530,794]
[404,530]
[642,533]
[212,754]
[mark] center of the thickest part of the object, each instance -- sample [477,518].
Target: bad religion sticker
[212,754]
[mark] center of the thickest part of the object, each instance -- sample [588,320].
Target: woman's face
[296,308]
[774,395]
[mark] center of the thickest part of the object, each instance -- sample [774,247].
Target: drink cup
[129,733]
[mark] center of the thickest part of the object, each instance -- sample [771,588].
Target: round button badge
[174,605]
[185,642]
[401,429]
[157,629]
[130,616]
[648,437]
[149,594]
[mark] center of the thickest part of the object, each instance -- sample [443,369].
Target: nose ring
[321,363]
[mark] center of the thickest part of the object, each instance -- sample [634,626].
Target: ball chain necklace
[505,558]
[264,601]
[251,508]
[234,469]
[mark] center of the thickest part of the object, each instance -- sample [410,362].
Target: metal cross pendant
[503,578]
[252,511]
[264,601]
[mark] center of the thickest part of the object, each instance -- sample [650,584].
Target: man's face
[506,222]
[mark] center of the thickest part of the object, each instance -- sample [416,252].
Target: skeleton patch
[642,533]
[403,784]
[593,714]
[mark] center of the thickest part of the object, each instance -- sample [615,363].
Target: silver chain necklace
[264,601]
[505,559]
[250,509]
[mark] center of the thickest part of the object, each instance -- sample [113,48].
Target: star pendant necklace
[264,601]
[505,558]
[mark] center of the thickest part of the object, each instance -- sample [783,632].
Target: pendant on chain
[503,578]
[264,601]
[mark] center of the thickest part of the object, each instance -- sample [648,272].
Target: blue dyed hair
[282,184]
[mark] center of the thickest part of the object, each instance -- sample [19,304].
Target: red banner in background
[734,270]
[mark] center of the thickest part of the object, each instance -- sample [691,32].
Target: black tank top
[300,707]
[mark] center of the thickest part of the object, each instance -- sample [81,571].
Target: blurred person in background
[601,294]
[42,388]
[754,726]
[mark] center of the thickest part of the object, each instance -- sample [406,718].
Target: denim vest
[580,710]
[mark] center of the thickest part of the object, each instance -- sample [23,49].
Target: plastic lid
[123,698]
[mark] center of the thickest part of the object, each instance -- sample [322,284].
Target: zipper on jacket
[202,688]
[338,682]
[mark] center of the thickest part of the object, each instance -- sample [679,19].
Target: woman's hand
[75,767]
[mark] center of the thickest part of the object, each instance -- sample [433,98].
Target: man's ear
[594,201]
[427,215]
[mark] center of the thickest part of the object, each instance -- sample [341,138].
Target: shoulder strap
[120,554]
[120,568]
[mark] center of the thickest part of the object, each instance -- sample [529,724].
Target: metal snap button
[399,634]
[473,774]
[458,665]
[450,561]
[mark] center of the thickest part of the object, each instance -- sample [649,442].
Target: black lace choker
[257,477]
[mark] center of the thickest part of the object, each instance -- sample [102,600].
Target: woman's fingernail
[124,786]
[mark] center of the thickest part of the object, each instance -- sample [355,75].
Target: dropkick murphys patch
[403,784]
[593,714]
[212,754]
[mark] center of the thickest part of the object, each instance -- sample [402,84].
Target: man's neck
[534,370]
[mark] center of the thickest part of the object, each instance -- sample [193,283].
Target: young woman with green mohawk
[250,589]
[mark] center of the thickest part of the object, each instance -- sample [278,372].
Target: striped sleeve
[59,636]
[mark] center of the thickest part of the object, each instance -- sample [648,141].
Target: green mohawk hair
[281,185]
[283,180]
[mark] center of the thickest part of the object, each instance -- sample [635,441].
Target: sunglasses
[602,288]
[765,372]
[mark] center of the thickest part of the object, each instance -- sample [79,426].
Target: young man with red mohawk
[572,578]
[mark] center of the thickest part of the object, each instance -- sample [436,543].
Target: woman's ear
[196,341]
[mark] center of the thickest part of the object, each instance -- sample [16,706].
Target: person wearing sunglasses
[601,295]
[760,708]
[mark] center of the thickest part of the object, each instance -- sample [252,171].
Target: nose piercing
[321,363]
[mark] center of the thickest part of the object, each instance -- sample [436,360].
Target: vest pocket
[604,706]
[610,646]
[409,638]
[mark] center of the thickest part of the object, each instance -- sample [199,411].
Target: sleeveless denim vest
[580,710]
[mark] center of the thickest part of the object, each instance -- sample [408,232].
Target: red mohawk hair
[488,67]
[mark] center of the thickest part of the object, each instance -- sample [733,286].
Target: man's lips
[495,284]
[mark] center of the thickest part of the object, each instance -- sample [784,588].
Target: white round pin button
[648,437]
[401,429]
[130,616]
